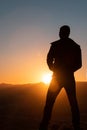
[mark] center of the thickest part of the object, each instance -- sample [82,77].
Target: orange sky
[27,28]
[24,59]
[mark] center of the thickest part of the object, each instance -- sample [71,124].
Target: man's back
[64,54]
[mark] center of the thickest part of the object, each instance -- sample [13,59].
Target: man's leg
[51,96]
[71,93]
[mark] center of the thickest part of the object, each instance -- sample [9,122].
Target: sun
[46,78]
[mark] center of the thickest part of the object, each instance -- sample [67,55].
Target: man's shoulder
[54,43]
[67,42]
[73,43]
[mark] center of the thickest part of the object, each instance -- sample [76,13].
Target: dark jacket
[64,54]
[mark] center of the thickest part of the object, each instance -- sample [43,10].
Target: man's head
[64,31]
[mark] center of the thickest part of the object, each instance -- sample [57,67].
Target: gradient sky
[26,29]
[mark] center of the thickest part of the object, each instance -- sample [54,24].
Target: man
[64,58]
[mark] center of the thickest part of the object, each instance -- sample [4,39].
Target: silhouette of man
[64,58]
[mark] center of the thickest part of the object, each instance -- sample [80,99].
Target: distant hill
[21,105]
[38,91]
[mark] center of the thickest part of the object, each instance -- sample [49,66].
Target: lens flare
[47,78]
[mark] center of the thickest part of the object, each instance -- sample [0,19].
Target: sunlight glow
[47,78]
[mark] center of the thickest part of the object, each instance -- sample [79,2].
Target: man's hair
[64,31]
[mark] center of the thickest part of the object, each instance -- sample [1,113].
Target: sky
[27,27]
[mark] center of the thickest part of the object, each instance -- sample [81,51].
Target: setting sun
[47,78]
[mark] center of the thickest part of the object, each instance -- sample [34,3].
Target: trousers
[54,89]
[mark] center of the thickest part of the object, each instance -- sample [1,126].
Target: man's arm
[50,58]
[78,58]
